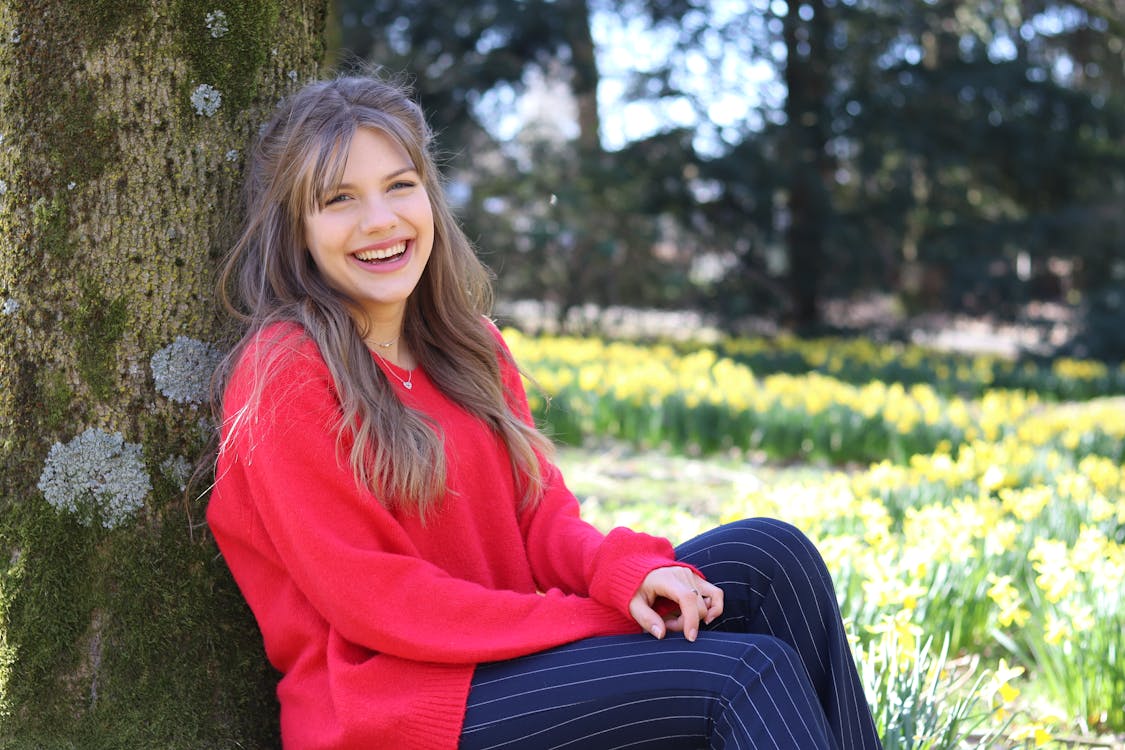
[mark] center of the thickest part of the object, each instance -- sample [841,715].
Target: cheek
[315,246]
[423,212]
[308,235]
[324,227]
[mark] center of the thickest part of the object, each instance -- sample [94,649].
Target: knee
[785,544]
[774,649]
[765,546]
[772,532]
[767,654]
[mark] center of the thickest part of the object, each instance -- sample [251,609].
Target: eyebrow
[387,177]
[398,172]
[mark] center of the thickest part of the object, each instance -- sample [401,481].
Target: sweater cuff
[623,561]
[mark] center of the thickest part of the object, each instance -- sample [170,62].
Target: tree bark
[806,133]
[124,129]
[584,275]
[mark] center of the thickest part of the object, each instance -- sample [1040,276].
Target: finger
[645,616]
[713,599]
[677,623]
[702,599]
[690,604]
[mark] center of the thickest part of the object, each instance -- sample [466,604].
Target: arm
[353,561]
[566,551]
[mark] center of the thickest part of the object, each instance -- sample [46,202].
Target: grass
[661,492]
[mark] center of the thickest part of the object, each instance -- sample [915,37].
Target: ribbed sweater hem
[440,698]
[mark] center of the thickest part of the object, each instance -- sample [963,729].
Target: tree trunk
[584,269]
[806,132]
[124,128]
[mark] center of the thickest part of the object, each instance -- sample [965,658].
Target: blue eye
[336,199]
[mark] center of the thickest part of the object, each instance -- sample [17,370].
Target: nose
[378,215]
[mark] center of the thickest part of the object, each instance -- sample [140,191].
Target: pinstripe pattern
[774,672]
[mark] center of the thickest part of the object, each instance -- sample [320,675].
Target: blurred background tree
[764,157]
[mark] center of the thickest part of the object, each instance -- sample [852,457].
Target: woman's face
[371,236]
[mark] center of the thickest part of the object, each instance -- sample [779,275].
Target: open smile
[389,254]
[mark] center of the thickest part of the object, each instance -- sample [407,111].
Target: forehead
[373,152]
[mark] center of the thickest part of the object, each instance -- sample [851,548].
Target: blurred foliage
[968,156]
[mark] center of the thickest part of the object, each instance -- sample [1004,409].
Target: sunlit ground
[661,492]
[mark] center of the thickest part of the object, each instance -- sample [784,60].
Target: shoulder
[502,348]
[280,387]
[507,361]
[490,325]
[275,364]
[285,340]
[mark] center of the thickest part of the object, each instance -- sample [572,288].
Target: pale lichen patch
[217,23]
[206,100]
[97,476]
[177,469]
[182,370]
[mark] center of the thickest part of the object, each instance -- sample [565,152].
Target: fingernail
[656,631]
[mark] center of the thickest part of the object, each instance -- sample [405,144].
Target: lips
[383,254]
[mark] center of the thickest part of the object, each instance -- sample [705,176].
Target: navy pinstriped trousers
[774,671]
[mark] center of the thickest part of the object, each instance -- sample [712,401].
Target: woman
[417,566]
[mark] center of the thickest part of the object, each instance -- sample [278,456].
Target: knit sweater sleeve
[352,559]
[567,552]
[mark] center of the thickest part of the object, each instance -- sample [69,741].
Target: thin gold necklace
[408,384]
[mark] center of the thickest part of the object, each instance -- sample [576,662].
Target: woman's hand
[697,600]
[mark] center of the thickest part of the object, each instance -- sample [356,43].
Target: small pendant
[409,385]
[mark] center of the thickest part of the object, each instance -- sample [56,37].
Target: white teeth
[388,252]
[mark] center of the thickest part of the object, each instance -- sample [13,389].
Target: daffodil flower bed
[858,360]
[979,553]
[702,402]
[1001,549]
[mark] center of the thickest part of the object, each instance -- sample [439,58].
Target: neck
[383,334]
[374,343]
[385,337]
[397,353]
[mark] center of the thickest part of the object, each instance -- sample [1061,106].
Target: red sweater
[375,620]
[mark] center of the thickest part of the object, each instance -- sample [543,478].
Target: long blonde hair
[270,278]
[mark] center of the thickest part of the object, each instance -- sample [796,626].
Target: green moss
[10,579]
[131,638]
[82,139]
[230,62]
[101,18]
[136,637]
[84,142]
[100,324]
[51,220]
[161,631]
[50,588]
[56,399]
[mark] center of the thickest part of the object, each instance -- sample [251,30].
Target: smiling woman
[370,236]
[442,591]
